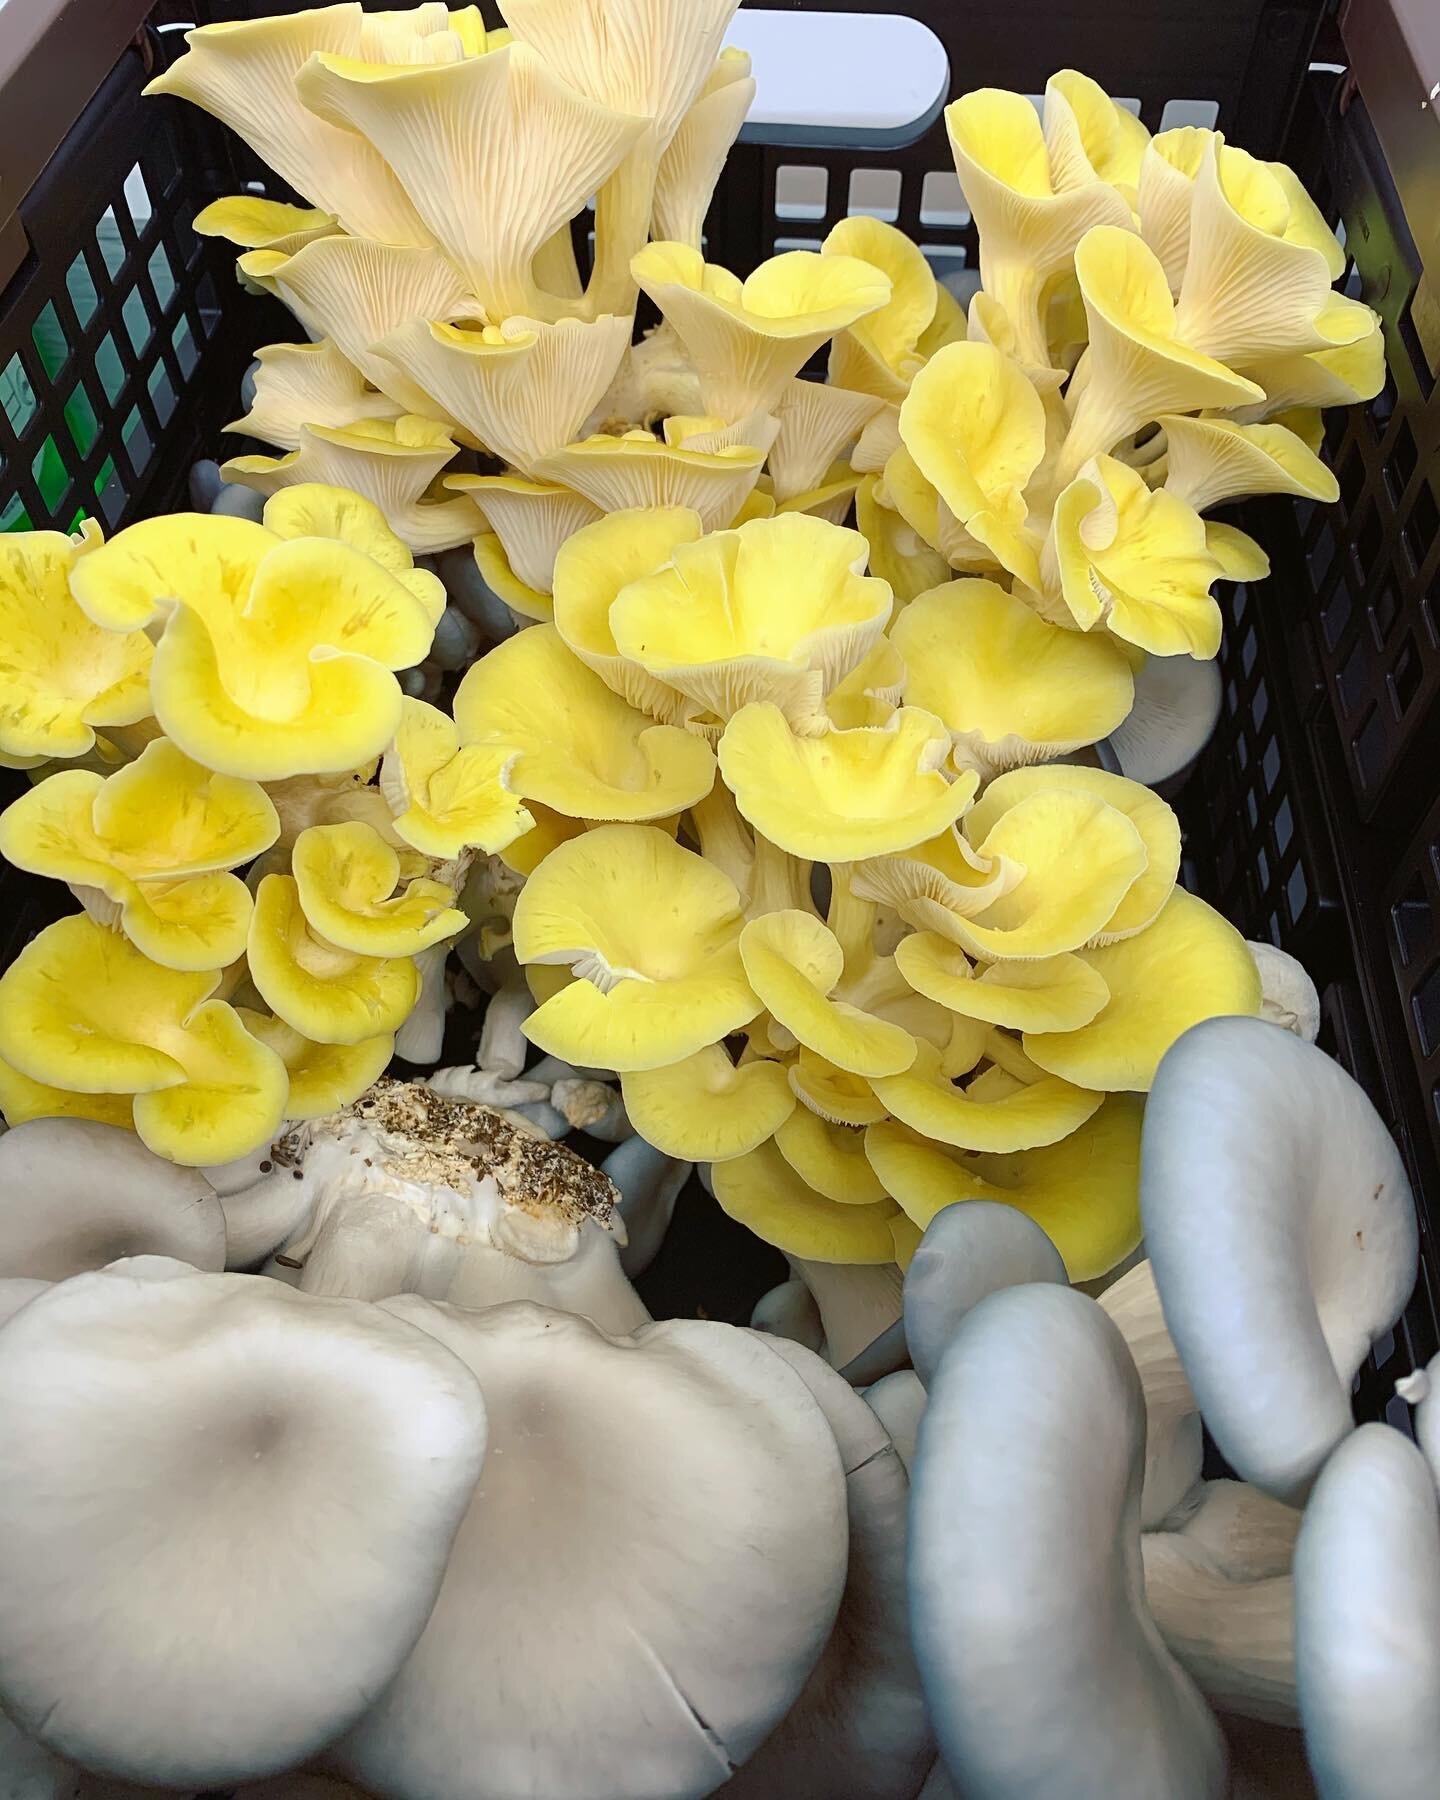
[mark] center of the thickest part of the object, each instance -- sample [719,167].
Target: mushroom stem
[857,1301]
[419,1039]
[503,1045]
[649,1184]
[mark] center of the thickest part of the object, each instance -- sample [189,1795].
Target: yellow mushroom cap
[446,797]
[637,469]
[592,568]
[1083,1192]
[1136,559]
[1053,993]
[748,339]
[329,995]
[975,427]
[22,1099]
[934,883]
[1155,821]
[829,1158]
[152,839]
[762,1191]
[1190,965]
[312,509]
[879,353]
[581,749]
[778,609]
[793,962]
[495,571]
[706,1108]
[1080,855]
[1012,688]
[347,875]
[652,931]
[1209,461]
[1042,1112]
[62,677]
[257,224]
[82,1009]
[846,794]
[834,1094]
[323,1077]
[276,656]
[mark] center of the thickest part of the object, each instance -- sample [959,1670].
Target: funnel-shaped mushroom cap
[1083,1192]
[545,1663]
[1323,377]
[1209,461]
[859,1728]
[763,1191]
[308,384]
[879,354]
[1367,1621]
[581,749]
[818,421]
[523,388]
[749,339]
[1140,561]
[898,554]
[445,796]
[455,134]
[322,1452]
[355,293]
[975,427]
[1191,964]
[692,162]
[1282,1234]
[1028,230]
[1053,993]
[966,1253]
[529,523]
[329,995]
[243,72]
[154,841]
[1019,1118]
[1043,1669]
[390,462]
[347,876]
[62,676]
[81,1008]
[1140,366]
[832,1093]
[935,883]
[276,652]
[777,610]
[652,932]
[592,568]
[1251,288]
[846,794]
[638,469]
[75,1195]
[705,1108]
[1088,135]
[1012,688]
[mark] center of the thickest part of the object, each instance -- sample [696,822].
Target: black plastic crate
[1312,819]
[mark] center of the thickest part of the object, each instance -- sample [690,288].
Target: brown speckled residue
[444,1141]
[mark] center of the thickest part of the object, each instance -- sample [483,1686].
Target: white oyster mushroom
[75,1195]
[650,1183]
[857,1302]
[898,1401]
[187,1451]
[1287,994]
[966,1253]
[422,1034]
[789,1311]
[1177,702]
[412,1191]
[1045,1673]
[17,1291]
[264,1203]
[1367,1621]
[1220,1590]
[1174,1447]
[859,1728]
[645,1579]
[1282,1235]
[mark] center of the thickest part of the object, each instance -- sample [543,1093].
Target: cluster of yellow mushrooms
[813,851]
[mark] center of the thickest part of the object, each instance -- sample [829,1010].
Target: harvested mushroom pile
[738,773]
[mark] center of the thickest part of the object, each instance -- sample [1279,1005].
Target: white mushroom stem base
[413,1192]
